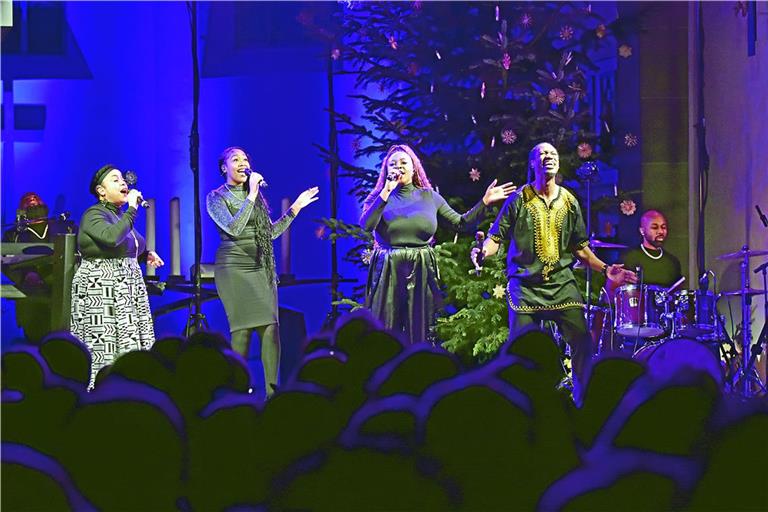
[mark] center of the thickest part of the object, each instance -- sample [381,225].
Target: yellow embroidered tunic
[542,239]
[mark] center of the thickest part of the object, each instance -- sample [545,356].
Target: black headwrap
[99,176]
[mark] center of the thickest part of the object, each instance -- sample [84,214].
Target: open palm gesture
[306,197]
[497,193]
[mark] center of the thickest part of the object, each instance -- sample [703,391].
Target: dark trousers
[572,326]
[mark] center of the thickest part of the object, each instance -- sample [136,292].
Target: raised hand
[305,198]
[498,193]
[153,260]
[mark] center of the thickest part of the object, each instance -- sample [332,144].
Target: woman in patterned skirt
[245,265]
[110,308]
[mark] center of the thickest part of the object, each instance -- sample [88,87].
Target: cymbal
[599,244]
[740,254]
[748,291]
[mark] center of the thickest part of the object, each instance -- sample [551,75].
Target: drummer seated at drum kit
[652,310]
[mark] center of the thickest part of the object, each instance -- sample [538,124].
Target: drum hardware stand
[586,174]
[747,374]
[762,339]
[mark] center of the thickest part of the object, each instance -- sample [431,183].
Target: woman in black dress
[403,212]
[110,308]
[245,265]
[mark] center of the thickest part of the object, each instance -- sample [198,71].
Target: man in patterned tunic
[543,223]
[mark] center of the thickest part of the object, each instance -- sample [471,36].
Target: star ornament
[474,174]
[630,140]
[499,291]
[625,51]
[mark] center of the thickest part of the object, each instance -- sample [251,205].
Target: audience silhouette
[365,423]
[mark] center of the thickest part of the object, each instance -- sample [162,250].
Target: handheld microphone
[394,175]
[131,179]
[64,216]
[262,183]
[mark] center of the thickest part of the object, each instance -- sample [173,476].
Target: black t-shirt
[659,267]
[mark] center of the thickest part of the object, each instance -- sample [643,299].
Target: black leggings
[270,351]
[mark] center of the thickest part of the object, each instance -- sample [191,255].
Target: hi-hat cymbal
[748,291]
[599,244]
[740,254]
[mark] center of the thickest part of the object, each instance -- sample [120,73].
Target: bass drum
[665,359]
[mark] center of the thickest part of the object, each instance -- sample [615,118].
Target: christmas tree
[472,87]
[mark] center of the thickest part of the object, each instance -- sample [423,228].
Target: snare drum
[694,313]
[639,311]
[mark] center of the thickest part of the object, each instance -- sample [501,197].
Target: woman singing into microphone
[245,266]
[110,308]
[403,212]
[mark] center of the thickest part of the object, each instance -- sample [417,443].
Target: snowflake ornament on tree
[566,32]
[556,96]
[584,150]
[630,140]
[526,20]
[499,291]
[628,207]
[508,136]
[474,174]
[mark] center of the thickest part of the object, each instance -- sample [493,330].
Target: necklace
[45,232]
[661,253]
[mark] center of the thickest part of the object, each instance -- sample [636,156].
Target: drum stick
[678,283]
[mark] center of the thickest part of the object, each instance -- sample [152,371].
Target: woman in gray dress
[245,265]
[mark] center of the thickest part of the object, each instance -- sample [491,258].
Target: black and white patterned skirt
[110,309]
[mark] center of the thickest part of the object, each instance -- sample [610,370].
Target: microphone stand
[586,174]
[196,321]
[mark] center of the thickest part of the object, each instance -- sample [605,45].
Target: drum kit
[671,327]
